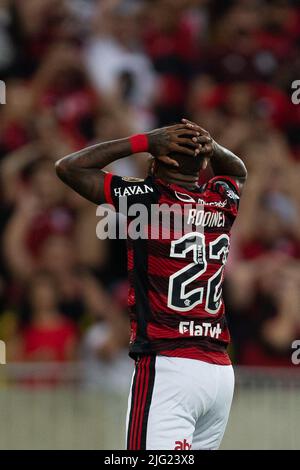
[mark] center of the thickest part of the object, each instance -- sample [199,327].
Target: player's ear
[151,166]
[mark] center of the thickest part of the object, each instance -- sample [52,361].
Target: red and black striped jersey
[178,243]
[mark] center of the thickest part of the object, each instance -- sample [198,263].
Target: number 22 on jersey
[179,298]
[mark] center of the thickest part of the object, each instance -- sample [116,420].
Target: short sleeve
[125,191]
[227,187]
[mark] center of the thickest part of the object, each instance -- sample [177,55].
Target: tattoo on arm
[224,162]
[82,170]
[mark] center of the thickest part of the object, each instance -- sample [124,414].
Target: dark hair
[188,165]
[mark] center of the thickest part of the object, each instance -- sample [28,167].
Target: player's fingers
[206,149]
[185,150]
[186,121]
[197,128]
[178,127]
[190,142]
[190,123]
[202,139]
[193,125]
[188,132]
[205,163]
[169,161]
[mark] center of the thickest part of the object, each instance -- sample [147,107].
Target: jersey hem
[211,357]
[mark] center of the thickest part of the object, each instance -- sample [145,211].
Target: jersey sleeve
[227,187]
[123,192]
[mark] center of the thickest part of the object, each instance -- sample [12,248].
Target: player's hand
[179,138]
[204,139]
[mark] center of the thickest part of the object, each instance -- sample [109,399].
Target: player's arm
[223,161]
[82,171]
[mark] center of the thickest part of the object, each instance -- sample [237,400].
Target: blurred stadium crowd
[84,71]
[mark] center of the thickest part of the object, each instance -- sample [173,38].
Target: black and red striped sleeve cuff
[107,188]
[227,179]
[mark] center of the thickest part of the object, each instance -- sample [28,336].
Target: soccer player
[183,382]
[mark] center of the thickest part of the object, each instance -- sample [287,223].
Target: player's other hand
[179,138]
[204,138]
